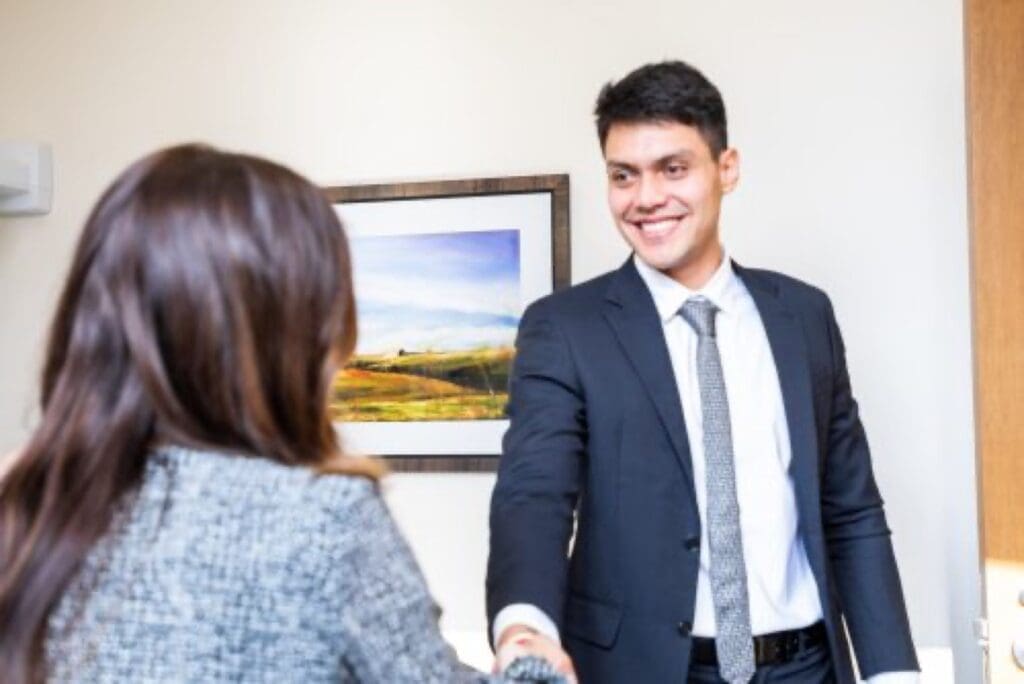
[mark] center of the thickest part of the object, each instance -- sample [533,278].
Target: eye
[620,177]
[675,170]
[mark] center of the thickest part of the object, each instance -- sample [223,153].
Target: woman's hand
[518,641]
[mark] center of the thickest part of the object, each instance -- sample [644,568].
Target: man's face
[665,190]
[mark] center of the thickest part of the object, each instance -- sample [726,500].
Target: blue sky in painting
[437,291]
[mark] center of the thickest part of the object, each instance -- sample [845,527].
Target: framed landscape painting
[443,271]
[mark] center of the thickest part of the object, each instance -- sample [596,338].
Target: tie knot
[700,312]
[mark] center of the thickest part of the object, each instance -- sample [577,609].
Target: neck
[696,274]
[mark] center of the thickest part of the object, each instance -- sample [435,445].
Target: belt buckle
[781,649]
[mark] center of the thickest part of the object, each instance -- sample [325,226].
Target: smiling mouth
[659,227]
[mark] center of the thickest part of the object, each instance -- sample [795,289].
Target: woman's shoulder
[348,496]
[243,481]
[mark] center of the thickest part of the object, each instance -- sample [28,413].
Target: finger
[509,652]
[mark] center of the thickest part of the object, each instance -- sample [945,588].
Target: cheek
[699,193]
[618,202]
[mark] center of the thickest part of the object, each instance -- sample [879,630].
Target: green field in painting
[465,385]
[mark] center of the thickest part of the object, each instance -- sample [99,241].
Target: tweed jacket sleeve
[389,620]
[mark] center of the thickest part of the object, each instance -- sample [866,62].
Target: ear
[729,169]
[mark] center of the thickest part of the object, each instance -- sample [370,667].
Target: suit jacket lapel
[789,349]
[631,313]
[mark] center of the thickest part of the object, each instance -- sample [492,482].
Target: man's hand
[519,640]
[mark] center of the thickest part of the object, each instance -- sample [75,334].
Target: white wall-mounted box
[26,178]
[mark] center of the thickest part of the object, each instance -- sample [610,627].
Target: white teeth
[655,228]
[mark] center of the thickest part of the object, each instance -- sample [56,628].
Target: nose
[650,193]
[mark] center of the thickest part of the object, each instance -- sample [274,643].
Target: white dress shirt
[781,588]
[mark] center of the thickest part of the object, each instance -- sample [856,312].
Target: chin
[660,264]
[661,256]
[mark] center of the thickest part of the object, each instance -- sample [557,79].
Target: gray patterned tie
[734,643]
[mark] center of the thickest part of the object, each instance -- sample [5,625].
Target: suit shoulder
[789,287]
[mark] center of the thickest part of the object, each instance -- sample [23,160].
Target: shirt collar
[669,295]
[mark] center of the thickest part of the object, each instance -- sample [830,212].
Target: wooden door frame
[994,46]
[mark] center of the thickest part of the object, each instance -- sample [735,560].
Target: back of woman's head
[209,303]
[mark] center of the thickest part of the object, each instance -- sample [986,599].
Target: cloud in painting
[437,291]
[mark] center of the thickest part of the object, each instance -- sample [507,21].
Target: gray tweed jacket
[228,569]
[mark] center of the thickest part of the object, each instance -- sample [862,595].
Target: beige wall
[849,117]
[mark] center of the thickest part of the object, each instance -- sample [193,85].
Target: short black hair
[670,91]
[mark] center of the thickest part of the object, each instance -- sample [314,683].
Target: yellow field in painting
[468,385]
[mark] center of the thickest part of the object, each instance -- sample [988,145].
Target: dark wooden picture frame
[556,186]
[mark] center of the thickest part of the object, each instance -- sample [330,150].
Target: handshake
[517,642]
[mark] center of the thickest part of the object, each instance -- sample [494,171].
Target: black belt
[769,649]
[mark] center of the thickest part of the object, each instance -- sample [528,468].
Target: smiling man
[696,417]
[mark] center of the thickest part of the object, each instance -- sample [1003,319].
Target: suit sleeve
[857,535]
[539,473]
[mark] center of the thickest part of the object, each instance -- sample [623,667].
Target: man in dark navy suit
[696,419]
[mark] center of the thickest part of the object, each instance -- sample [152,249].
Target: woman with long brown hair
[184,512]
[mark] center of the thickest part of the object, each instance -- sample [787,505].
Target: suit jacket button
[692,543]
[685,628]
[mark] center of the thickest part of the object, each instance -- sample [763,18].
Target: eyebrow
[683,154]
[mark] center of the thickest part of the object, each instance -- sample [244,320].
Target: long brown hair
[209,304]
